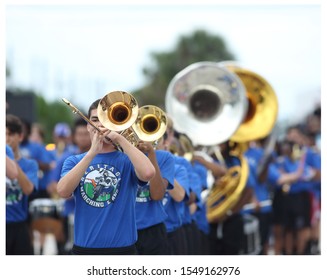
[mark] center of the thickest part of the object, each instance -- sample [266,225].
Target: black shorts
[264,226]
[18,239]
[177,241]
[153,241]
[129,250]
[297,209]
[231,241]
[278,207]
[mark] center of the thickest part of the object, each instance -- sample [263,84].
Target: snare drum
[44,207]
[45,215]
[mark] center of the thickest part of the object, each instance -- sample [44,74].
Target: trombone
[76,111]
[119,111]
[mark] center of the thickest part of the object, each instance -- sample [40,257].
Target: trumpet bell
[207,102]
[117,110]
[151,123]
[262,110]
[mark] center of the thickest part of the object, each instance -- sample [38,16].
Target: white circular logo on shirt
[100,185]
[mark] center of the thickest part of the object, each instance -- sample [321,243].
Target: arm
[68,183]
[178,192]
[26,185]
[158,185]
[289,178]
[192,198]
[11,168]
[144,169]
[246,197]
[216,169]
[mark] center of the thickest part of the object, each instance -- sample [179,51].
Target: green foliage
[50,113]
[199,46]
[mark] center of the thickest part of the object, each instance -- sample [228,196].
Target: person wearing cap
[81,138]
[62,137]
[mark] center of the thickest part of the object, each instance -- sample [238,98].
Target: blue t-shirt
[186,216]
[69,204]
[253,156]
[313,159]
[185,183]
[202,171]
[173,208]
[200,215]
[285,164]
[105,201]
[38,152]
[16,200]
[9,152]
[151,212]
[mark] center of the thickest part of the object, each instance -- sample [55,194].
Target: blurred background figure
[18,238]
[62,140]
[11,167]
[37,134]
[81,139]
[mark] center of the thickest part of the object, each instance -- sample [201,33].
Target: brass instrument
[202,99]
[258,122]
[151,124]
[217,102]
[119,111]
[76,111]
[262,105]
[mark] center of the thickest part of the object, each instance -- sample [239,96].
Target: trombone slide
[76,111]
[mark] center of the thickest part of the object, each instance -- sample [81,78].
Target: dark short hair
[79,122]
[14,124]
[93,106]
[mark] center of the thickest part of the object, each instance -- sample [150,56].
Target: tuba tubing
[217,102]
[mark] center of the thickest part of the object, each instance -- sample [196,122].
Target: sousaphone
[217,102]
[258,122]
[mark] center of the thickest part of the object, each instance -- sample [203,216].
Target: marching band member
[104,183]
[150,213]
[18,239]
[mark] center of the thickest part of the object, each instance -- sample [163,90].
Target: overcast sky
[83,52]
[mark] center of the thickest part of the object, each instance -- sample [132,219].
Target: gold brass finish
[258,122]
[150,124]
[120,112]
[223,196]
[117,110]
[217,102]
[263,105]
[76,111]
